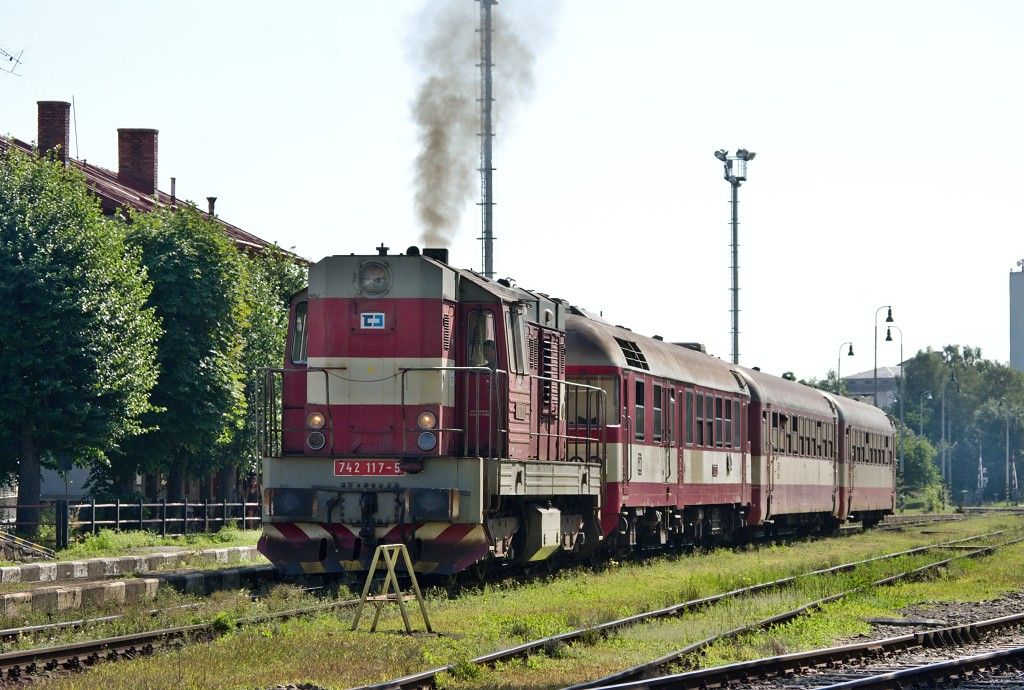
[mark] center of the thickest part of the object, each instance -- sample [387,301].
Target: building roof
[115,195]
[883,373]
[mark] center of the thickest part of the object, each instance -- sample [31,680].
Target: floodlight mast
[735,174]
[486,140]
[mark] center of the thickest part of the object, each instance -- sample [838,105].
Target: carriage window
[709,420]
[737,419]
[582,402]
[719,416]
[638,420]
[300,333]
[688,419]
[700,419]
[657,418]
[480,340]
[672,417]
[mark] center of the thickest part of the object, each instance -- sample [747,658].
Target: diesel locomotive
[481,423]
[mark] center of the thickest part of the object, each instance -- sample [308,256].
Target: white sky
[889,141]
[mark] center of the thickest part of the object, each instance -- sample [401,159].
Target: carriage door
[479,388]
[769,439]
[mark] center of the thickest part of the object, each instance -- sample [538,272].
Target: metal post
[62,526]
[942,442]
[142,512]
[486,139]
[117,514]
[163,517]
[224,522]
[184,517]
[735,274]
[1007,456]
[206,515]
[92,512]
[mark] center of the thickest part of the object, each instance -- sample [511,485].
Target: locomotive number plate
[367,468]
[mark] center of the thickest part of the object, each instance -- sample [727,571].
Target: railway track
[665,663]
[427,679]
[902,661]
[19,664]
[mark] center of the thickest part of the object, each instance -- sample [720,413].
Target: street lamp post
[927,395]
[735,175]
[839,365]
[946,478]
[1006,411]
[888,319]
[888,339]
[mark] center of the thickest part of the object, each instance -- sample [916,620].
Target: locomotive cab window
[480,342]
[300,333]
[521,361]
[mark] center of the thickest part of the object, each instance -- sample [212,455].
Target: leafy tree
[919,469]
[273,277]
[199,292]
[77,339]
[830,384]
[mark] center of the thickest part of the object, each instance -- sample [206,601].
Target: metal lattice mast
[486,139]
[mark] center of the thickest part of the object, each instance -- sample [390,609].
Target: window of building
[300,333]
[638,417]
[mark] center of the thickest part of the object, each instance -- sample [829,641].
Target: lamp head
[850,352]
[888,318]
[888,335]
[720,154]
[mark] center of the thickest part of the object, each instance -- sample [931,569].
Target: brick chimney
[136,159]
[54,128]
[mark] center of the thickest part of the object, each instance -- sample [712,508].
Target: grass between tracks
[110,543]
[323,651]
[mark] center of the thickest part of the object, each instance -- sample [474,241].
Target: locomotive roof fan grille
[634,357]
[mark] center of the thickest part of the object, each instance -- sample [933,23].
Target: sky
[888,135]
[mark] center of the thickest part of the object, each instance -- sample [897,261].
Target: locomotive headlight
[315,420]
[316,440]
[427,441]
[426,420]
[374,278]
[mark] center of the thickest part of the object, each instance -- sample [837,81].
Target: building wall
[1017,319]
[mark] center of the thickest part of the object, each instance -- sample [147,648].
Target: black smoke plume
[446,53]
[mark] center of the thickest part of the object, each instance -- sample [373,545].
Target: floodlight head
[928,395]
[750,156]
[721,154]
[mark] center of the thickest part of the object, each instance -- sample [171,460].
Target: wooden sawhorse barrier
[391,591]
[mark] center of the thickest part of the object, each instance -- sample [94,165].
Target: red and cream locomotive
[479,422]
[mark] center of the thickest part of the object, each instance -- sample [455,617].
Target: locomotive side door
[478,387]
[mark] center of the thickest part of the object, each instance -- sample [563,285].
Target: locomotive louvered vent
[446,332]
[634,357]
[534,356]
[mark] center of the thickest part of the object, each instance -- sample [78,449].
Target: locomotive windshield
[480,339]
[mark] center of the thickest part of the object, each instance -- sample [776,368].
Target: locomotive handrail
[588,440]
[270,437]
[493,434]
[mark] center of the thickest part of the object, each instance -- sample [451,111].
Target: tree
[77,339]
[830,384]
[199,292]
[272,278]
[919,469]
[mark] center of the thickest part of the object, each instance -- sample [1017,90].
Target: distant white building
[862,386]
[1017,317]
